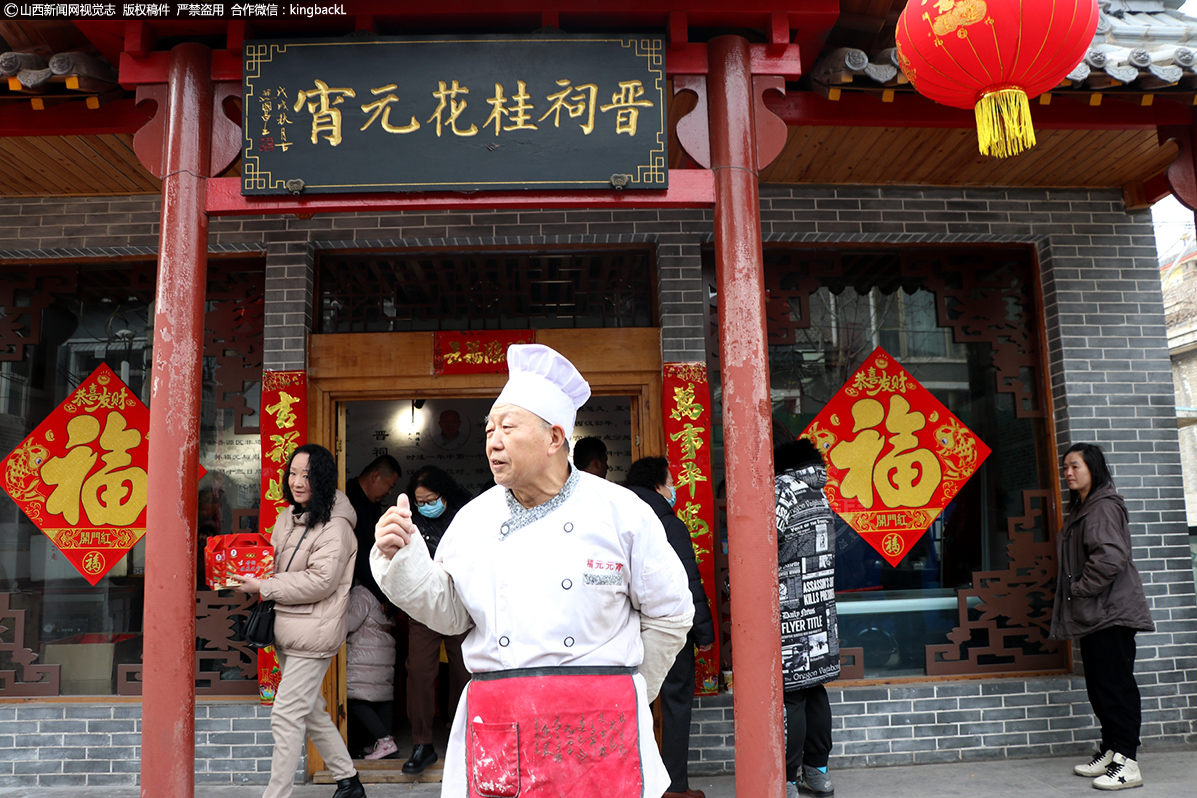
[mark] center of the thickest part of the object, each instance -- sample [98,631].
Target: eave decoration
[896,457]
[993,56]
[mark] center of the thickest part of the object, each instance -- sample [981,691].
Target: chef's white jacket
[585,579]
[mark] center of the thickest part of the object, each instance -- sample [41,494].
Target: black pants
[677,699]
[808,729]
[375,716]
[1109,658]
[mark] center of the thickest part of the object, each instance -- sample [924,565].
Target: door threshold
[386,771]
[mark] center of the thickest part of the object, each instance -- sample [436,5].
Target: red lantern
[992,55]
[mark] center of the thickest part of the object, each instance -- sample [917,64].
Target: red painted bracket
[1181,174]
[148,141]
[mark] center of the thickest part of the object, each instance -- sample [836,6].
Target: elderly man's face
[517,446]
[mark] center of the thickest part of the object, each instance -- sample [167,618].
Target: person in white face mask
[574,602]
[437,498]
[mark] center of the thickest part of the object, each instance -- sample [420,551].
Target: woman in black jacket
[649,478]
[1100,602]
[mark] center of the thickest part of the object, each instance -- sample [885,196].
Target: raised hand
[394,530]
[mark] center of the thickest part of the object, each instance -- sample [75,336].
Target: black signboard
[462,113]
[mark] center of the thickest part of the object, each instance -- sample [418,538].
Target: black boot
[350,788]
[422,756]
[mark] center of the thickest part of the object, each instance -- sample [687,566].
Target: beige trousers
[299,708]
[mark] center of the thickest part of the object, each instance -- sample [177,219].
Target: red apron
[553,733]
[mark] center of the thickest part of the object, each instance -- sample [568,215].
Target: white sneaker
[1122,774]
[383,748]
[1095,766]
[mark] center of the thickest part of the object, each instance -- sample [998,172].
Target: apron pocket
[495,759]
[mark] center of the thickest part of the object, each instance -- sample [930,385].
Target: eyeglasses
[427,502]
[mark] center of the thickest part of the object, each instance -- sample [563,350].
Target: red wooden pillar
[168,694]
[747,423]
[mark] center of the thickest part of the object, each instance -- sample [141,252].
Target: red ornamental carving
[992,55]
[81,475]
[896,457]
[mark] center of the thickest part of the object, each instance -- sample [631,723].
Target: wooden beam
[151,68]
[861,109]
[1142,194]
[765,59]
[73,119]
[689,188]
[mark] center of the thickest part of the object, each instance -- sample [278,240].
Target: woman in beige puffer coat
[314,550]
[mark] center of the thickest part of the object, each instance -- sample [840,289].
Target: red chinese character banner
[81,475]
[687,415]
[482,352]
[284,429]
[896,457]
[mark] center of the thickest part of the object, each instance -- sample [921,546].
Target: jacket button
[504,641]
[569,526]
[569,641]
[567,583]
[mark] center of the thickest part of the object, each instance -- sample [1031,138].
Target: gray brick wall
[99,744]
[1109,374]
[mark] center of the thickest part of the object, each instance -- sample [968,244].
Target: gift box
[245,554]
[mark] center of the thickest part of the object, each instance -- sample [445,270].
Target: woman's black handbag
[259,627]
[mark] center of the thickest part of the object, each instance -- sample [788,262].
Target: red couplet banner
[687,413]
[284,429]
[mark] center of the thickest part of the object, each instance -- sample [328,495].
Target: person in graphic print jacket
[810,649]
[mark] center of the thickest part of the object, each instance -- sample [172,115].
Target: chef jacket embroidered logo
[603,572]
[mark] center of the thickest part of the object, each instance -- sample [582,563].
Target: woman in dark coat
[436,497]
[649,478]
[1100,602]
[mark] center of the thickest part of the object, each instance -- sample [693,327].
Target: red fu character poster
[81,475]
[896,457]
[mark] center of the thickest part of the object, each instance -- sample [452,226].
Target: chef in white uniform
[575,603]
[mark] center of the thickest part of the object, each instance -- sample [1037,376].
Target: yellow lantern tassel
[1004,123]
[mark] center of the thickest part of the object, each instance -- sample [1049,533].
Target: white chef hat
[543,382]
